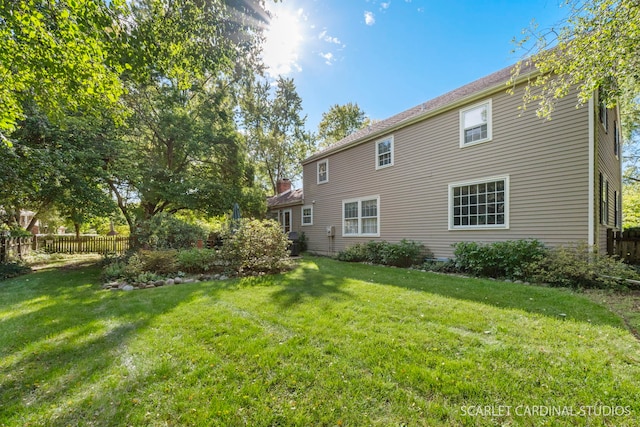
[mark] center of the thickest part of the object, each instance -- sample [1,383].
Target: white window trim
[282,220]
[389,138]
[325,161]
[489,137]
[504,226]
[360,200]
[302,215]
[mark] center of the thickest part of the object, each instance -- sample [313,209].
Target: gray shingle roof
[288,198]
[492,81]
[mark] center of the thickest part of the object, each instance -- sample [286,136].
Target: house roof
[462,94]
[287,198]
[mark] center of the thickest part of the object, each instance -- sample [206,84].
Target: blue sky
[390,55]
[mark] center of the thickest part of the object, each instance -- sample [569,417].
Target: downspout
[592,174]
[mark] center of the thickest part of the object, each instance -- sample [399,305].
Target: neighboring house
[469,165]
[287,208]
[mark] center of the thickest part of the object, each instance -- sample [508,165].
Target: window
[360,217]
[475,124]
[307,215]
[479,204]
[323,171]
[604,200]
[616,138]
[284,218]
[384,153]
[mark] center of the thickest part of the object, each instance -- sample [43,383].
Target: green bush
[13,269]
[509,259]
[403,254]
[257,246]
[200,261]
[165,231]
[577,266]
[161,262]
[355,253]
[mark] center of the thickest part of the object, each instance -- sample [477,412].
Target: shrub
[13,269]
[403,254]
[577,266]
[199,261]
[509,259]
[165,231]
[355,253]
[257,246]
[160,262]
[113,271]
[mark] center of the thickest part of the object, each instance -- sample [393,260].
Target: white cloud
[385,5]
[329,59]
[369,19]
[329,39]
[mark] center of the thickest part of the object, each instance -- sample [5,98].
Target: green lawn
[327,344]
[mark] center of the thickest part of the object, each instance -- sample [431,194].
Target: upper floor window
[360,217]
[384,153]
[323,171]
[475,124]
[307,215]
[604,200]
[479,204]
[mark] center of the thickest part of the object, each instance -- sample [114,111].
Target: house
[286,207]
[469,165]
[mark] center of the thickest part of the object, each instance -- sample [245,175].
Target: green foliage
[403,254]
[596,47]
[303,241]
[160,262]
[200,261]
[165,231]
[13,269]
[257,246]
[275,129]
[509,259]
[339,122]
[631,205]
[579,267]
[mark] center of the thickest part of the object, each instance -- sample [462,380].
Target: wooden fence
[625,245]
[14,247]
[85,244]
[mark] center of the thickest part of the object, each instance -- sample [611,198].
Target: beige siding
[610,166]
[296,216]
[547,163]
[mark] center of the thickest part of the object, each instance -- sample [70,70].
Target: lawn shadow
[58,328]
[308,282]
[557,303]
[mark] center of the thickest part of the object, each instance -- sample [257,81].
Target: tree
[182,149]
[339,122]
[597,47]
[56,54]
[274,129]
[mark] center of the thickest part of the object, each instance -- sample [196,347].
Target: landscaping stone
[223,277]
[177,280]
[169,282]
[127,288]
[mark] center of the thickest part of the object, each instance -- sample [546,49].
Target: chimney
[283,185]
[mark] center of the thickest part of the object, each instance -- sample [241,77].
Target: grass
[329,344]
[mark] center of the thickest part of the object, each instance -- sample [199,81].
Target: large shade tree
[274,128]
[339,122]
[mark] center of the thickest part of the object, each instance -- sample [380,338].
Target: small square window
[475,124]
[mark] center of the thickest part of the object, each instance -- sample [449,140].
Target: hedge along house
[470,165]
